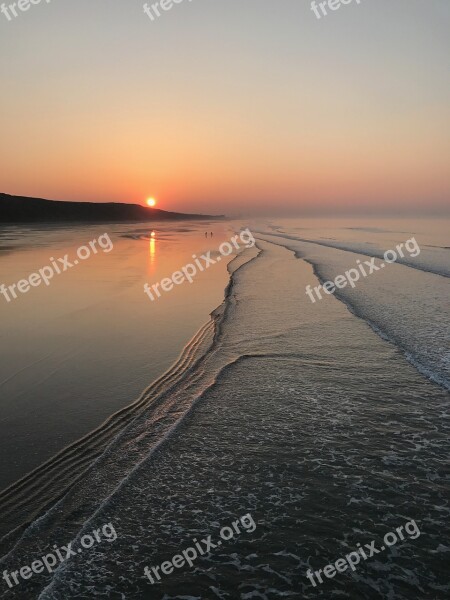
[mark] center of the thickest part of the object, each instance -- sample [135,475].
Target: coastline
[30,497]
[23,210]
[303,403]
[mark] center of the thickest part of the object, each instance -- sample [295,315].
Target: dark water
[328,430]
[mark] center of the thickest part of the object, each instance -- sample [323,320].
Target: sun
[151,202]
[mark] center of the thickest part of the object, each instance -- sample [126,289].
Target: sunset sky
[229,106]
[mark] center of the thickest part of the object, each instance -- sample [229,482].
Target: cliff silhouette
[21,209]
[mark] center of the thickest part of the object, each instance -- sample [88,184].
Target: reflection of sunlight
[152,250]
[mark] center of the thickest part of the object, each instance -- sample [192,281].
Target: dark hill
[20,209]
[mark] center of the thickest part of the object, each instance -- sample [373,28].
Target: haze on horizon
[229,107]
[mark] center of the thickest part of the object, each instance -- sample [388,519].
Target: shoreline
[54,478]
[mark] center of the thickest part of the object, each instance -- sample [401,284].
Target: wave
[28,497]
[380,329]
[374,252]
[268,366]
[159,407]
[415,360]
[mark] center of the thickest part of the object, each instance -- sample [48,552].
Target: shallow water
[75,352]
[406,303]
[301,414]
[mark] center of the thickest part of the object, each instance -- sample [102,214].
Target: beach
[326,422]
[224,300]
[87,345]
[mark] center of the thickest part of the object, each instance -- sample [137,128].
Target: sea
[242,397]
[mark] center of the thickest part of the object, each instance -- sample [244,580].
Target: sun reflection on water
[152,248]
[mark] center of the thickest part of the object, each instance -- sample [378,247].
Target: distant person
[211,233]
[206,234]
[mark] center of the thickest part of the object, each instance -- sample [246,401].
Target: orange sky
[229,109]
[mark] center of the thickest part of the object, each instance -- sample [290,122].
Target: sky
[229,106]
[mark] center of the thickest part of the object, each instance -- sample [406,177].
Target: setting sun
[151,202]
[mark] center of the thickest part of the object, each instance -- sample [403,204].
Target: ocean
[325,422]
